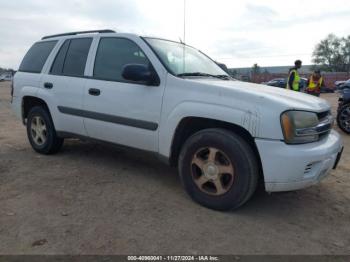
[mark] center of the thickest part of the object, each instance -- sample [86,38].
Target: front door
[117,110]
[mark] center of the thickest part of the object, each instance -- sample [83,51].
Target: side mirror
[140,73]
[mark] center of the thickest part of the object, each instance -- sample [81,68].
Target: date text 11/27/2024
[173,258]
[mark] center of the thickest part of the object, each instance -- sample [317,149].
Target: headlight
[303,127]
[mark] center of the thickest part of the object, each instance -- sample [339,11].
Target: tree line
[333,54]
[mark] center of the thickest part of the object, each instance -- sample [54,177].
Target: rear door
[121,111]
[65,82]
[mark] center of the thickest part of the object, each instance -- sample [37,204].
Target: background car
[282,83]
[345,85]
[343,116]
[339,83]
[6,77]
[277,82]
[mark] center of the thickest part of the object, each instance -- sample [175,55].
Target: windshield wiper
[224,77]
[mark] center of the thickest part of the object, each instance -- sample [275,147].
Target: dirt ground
[96,199]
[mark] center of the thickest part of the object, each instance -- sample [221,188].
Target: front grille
[326,121]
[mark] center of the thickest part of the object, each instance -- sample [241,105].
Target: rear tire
[41,131]
[218,169]
[343,118]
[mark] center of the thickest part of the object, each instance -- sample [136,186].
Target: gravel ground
[96,199]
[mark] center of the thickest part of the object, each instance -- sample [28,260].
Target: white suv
[171,99]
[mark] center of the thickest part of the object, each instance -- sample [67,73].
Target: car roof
[78,33]
[103,32]
[81,34]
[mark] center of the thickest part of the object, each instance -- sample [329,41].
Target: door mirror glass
[140,73]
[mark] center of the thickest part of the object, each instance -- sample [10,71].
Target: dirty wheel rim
[38,130]
[212,171]
[344,118]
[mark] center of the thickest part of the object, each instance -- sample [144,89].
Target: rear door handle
[48,85]
[94,91]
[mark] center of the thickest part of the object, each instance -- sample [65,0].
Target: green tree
[333,54]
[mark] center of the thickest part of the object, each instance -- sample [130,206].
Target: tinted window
[113,54]
[36,57]
[57,66]
[75,59]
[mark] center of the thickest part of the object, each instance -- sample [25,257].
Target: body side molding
[109,118]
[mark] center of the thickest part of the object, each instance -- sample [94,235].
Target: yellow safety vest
[296,81]
[314,83]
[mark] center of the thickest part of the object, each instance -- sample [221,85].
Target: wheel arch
[29,102]
[190,125]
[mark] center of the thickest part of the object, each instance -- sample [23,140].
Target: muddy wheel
[218,169]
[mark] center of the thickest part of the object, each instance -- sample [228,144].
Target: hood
[288,99]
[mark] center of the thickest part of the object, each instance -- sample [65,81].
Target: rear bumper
[292,167]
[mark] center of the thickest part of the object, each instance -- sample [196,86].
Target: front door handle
[94,91]
[48,85]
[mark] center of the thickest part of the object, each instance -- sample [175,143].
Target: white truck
[6,77]
[171,99]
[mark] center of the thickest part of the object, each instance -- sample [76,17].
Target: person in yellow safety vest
[315,83]
[294,78]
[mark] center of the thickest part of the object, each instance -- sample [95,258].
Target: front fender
[249,119]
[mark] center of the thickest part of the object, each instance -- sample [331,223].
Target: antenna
[184,37]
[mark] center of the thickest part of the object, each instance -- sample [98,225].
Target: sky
[237,33]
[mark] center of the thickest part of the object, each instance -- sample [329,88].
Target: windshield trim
[144,38]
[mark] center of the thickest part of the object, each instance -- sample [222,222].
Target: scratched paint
[251,121]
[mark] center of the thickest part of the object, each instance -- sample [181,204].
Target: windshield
[182,60]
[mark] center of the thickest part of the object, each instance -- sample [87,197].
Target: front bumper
[292,167]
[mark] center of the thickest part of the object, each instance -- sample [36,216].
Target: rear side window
[35,58]
[71,59]
[113,54]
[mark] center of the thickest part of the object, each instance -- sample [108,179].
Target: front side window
[71,59]
[180,59]
[113,54]
[35,58]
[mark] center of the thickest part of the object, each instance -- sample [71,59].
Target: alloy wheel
[38,130]
[212,171]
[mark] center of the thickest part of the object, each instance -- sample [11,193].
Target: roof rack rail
[80,32]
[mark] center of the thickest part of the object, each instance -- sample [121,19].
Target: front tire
[343,118]
[218,169]
[41,131]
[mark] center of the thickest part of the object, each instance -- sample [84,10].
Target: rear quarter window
[36,56]
[71,58]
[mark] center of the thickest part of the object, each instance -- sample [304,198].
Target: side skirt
[68,135]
